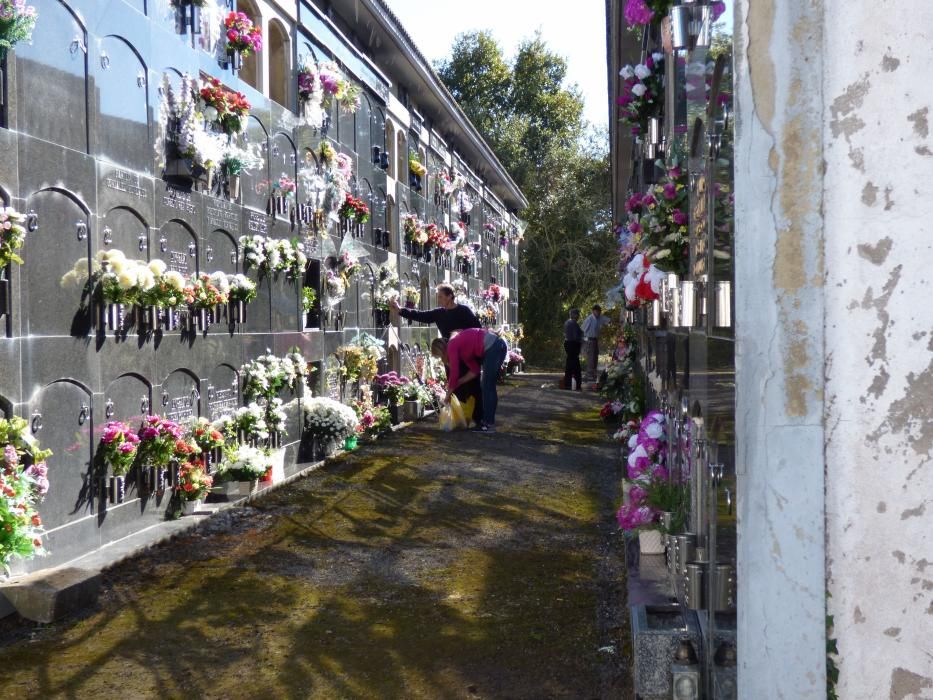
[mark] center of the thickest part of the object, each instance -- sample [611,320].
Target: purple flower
[679,217]
[38,473]
[127,448]
[149,433]
[716,10]
[10,456]
[637,495]
[637,12]
[670,190]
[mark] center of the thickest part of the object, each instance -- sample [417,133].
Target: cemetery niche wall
[92,121]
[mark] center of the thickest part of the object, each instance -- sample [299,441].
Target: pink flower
[10,456]
[637,495]
[127,448]
[679,217]
[637,12]
[670,190]
[717,9]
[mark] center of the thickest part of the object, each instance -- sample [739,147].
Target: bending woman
[481,352]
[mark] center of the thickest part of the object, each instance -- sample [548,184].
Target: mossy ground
[429,565]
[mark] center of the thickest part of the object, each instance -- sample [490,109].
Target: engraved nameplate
[176,199]
[125,181]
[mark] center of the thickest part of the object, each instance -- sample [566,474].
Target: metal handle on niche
[108,409]
[36,422]
[165,398]
[192,249]
[81,230]
[84,414]
[144,405]
[76,44]
[716,472]
[108,236]
[143,239]
[209,253]
[32,221]
[104,60]
[163,244]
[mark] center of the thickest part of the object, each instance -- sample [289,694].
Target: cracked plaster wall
[834,156]
[779,349]
[879,345]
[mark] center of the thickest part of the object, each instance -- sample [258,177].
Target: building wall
[834,357]
[80,137]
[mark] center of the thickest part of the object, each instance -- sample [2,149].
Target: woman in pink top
[480,351]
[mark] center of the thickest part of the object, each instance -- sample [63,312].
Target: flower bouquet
[23,484]
[493,293]
[642,92]
[415,166]
[250,424]
[411,296]
[160,442]
[244,463]
[12,235]
[413,228]
[642,281]
[354,209]
[118,447]
[225,109]
[243,37]
[17,20]
[392,387]
[193,482]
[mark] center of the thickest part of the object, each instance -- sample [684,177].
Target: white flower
[126,279]
[638,89]
[157,267]
[627,72]
[654,430]
[174,279]
[642,71]
[657,57]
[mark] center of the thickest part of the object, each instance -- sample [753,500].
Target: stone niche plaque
[220,252]
[123,107]
[127,398]
[221,214]
[124,229]
[332,378]
[177,247]
[56,261]
[255,184]
[223,392]
[180,398]
[60,419]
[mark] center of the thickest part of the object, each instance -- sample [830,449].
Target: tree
[534,123]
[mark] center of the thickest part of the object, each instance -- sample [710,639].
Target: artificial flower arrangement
[119,445]
[205,435]
[271,255]
[12,235]
[267,375]
[642,281]
[244,463]
[415,167]
[206,291]
[492,293]
[659,218]
[243,36]
[466,253]
[250,425]
[357,364]
[354,208]
[17,20]
[487,313]
[386,288]
[515,357]
[642,92]
[194,482]
[450,183]
[328,419]
[241,288]
[373,420]
[438,238]
[23,484]
[308,299]
[319,84]
[411,296]
[160,441]
[284,187]
[226,109]
[414,230]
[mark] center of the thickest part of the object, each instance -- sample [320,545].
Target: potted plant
[118,448]
[329,422]
[23,484]
[242,467]
[243,38]
[193,485]
[158,440]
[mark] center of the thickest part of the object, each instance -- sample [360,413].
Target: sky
[579,36]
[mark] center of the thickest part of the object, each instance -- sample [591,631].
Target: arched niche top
[131,47]
[67,193]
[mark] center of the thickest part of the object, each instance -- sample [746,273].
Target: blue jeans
[492,363]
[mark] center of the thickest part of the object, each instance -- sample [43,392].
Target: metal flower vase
[114,316]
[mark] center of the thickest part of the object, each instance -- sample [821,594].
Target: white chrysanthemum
[126,279]
[175,280]
[642,71]
[157,267]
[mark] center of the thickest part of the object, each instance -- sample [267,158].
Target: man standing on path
[593,324]
[573,341]
[449,317]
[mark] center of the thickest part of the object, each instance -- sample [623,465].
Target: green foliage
[832,651]
[534,123]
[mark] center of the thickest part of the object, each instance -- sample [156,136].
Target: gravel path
[426,565]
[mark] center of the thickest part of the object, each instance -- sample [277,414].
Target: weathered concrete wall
[835,365]
[779,349]
[879,344]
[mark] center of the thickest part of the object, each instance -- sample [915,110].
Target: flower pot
[117,489]
[170,319]
[186,320]
[395,413]
[234,60]
[204,319]
[350,443]
[190,507]
[236,489]
[324,447]
[236,312]
[150,317]
[267,477]
[650,542]
[233,187]
[410,411]
[218,313]
[385,239]
[113,315]
[275,440]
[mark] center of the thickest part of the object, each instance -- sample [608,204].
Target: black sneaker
[479,428]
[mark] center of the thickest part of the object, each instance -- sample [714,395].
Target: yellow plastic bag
[452,416]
